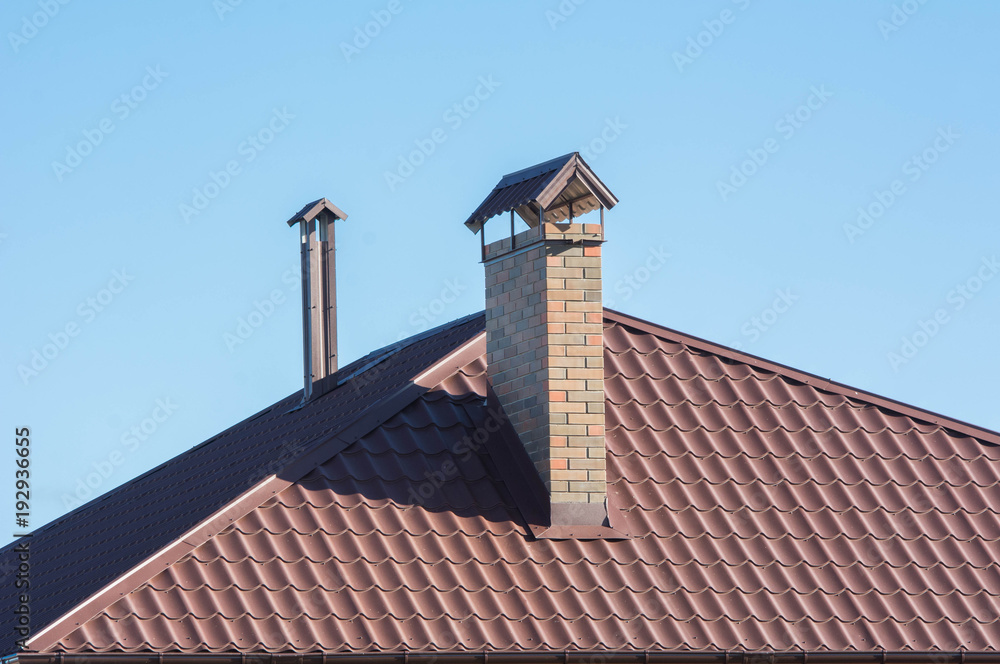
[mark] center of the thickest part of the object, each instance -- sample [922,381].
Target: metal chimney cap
[557,186]
[315,209]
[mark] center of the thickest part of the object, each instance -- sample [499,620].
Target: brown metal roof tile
[766,511]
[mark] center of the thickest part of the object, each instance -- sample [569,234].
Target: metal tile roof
[524,190]
[765,509]
[76,555]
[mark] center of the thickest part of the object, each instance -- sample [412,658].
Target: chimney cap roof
[312,210]
[552,186]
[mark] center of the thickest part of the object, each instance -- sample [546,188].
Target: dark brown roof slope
[762,513]
[78,554]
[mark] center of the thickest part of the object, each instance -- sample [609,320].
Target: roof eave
[573,165]
[528,657]
[577,167]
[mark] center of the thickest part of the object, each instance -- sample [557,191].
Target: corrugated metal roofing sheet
[765,510]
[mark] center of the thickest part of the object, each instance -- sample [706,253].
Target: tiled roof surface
[79,553]
[763,513]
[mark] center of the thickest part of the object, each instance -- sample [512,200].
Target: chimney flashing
[578,514]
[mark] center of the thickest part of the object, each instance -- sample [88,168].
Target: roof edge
[531,657]
[313,210]
[929,416]
[110,493]
[577,167]
[389,405]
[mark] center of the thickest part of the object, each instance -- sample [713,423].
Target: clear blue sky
[741,137]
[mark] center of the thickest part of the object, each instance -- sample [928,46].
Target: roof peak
[537,169]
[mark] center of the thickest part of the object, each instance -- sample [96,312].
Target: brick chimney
[544,328]
[319,293]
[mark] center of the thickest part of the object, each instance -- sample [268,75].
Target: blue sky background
[664,99]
